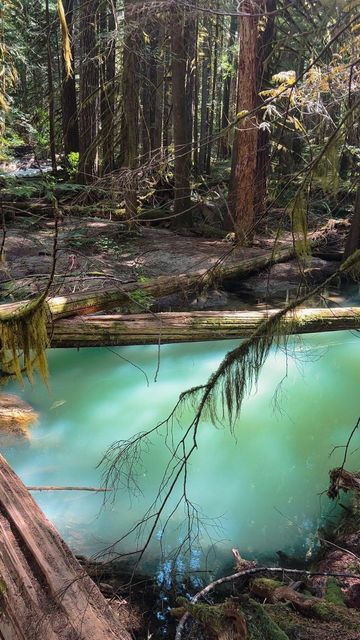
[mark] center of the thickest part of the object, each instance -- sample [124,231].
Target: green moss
[142,298]
[260,625]
[333,593]
[2,586]
[213,617]
[329,612]
[264,587]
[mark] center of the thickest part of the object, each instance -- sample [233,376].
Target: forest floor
[94,254]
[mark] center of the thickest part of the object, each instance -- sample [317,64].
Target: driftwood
[93,301]
[45,594]
[117,330]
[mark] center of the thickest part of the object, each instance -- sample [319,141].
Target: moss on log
[119,330]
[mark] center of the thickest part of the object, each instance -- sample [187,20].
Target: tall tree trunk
[107,81]
[196,103]
[266,45]
[130,96]
[182,143]
[213,95]
[225,150]
[89,86]
[70,126]
[243,178]
[50,88]
[205,71]
[159,92]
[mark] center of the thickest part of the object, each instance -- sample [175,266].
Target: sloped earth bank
[94,254]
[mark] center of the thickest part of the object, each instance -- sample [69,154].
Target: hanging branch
[232,382]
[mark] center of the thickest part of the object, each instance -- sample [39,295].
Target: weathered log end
[45,594]
[16,418]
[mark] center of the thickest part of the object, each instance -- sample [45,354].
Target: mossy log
[44,591]
[308,606]
[119,330]
[94,301]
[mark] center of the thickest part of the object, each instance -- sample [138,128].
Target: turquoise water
[260,490]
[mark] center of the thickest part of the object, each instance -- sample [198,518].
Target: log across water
[119,330]
[44,591]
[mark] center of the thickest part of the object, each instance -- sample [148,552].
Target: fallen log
[93,301]
[56,488]
[119,330]
[44,591]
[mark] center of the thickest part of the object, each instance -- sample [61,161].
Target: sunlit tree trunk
[89,87]
[70,127]
[243,177]
[182,143]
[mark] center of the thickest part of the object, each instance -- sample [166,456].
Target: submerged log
[44,591]
[93,301]
[118,330]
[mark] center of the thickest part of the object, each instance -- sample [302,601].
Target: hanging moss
[298,215]
[24,340]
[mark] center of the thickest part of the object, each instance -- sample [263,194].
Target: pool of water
[259,490]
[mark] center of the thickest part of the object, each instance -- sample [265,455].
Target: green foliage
[142,299]
[72,164]
[15,188]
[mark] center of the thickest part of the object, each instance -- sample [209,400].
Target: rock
[16,416]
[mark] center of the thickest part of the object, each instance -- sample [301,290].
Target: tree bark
[121,330]
[266,44]
[224,148]
[205,78]
[45,593]
[182,144]
[107,82]
[51,101]
[130,96]
[243,178]
[89,86]
[70,126]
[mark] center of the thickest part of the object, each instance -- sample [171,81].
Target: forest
[179,319]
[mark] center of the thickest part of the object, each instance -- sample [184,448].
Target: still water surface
[264,484]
